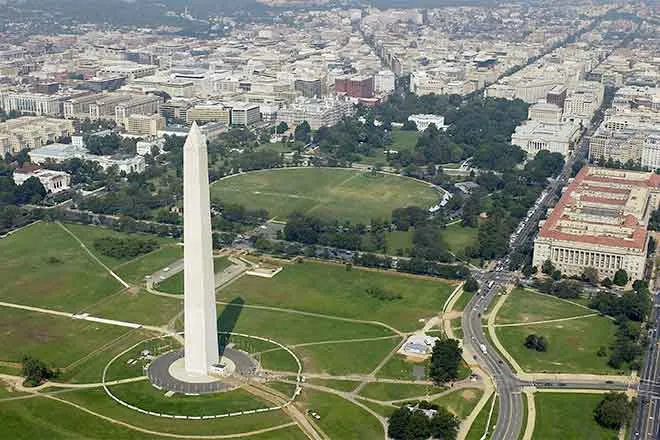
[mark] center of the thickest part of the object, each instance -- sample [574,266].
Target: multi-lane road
[647,420]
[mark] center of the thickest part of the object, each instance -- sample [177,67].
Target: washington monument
[201,328]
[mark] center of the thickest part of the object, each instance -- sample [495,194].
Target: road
[646,426]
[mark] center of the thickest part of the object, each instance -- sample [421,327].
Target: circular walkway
[160,375]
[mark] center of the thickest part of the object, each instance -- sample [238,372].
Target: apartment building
[600,222]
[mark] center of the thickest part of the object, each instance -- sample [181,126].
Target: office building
[245,114]
[144,125]
[355,86]
[28,132]
[556,137]
[600,222]
[209,113]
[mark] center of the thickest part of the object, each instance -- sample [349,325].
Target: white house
[423,121]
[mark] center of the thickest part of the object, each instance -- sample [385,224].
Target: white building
[423,121]
[61,152]
[145,147]
[651,151]
[384,81]
[36,104]
[53,181]
[544,112]
[316,112]
[245,114]
[556,137]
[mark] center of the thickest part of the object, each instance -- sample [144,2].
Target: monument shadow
[227,322]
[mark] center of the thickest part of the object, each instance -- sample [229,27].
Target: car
[167,269]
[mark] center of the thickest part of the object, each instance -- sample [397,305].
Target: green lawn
[458,238]
[527,306]
[331,289]
[460,402]
[462,301]
[341,385]
[141,307]
[399,368]
[345,357]
[479,425]
[58,341]
[144,395]
[135,270]
[174,284]
[334,193]
[569,417]
[399,240]
[340,419]
[572,345]
[292,328]
[43,266]
[404,140]
[397,391]
[383,410]
[96,400]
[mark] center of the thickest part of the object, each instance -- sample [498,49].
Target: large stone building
[556,137]
[600,222]
[31,132]
[317,113]
[37,104]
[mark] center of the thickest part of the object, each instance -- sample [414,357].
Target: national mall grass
[569,417]
[330,289]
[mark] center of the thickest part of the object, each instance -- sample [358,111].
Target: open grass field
[140,307]
[527,306]
[174,284]
[345,357]
[144,395]
[397,391]
[344,293]
[398,367]
[399,242]
[43,266]
[341,385]
[340,419]
[569,417]
[479,425]
[572,345]
[404,140]
[460,402]
[58,341]
[459,237]
[96,400]
[293,328]
[325,192]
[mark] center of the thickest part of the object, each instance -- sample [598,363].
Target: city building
[146,146]
[651,151]
[544,112]
[317,113]
[137,105]
[53,181]
[309,88]
[209,113]
[37,104]
[28,132]
[618,145]
[581,104]
[355,86]
[129,70]
[144,125]
[556,96]
[384,82]
[600,222]
[423,121]
[245,114]
[556,137]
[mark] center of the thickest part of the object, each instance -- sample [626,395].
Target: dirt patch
[469,395]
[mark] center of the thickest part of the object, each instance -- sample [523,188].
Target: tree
[471,285]
[538,343]
[607,282]
[31,191]
[590,274]
[445,360]
[444,425]
[35,371]
[397,424]
[621,277]
[614,411]
[409,126]
[556,275]
[548,268]
[282,127]
[303,132]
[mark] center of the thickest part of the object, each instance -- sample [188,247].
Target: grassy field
[58,341]
[527,306]
[462,301]
[341,385]
[344,293]
[340,419]
[458,238]
[460,402]
[174,284]
[399,241]
[569,417]
[383,410]
[43,266]
[572,345]
[398,391]
[345,357]
[96,400]
[404,140]
[135,270]
[145,396]
[141,307]
[335,193]
[479,425]
[399,368]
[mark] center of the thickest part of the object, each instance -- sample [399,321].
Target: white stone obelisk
[201,327]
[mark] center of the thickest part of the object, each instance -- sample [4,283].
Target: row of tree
[123,248]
